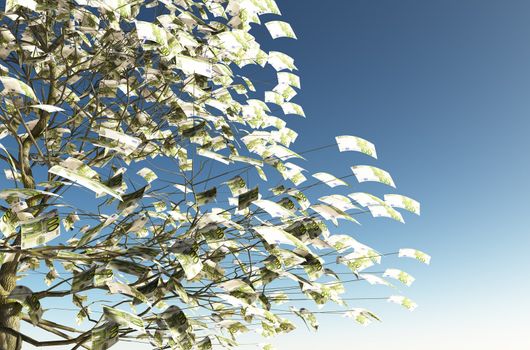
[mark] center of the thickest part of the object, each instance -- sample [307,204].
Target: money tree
[149,188]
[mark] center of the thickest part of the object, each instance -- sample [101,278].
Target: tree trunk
[9,311]
[9,318]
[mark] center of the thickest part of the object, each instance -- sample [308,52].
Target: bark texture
[9,311]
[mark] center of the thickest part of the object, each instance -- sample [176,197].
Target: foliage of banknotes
[77,175]
[105,336]
[40,230]
[8,223]
[187,216]
[124,318]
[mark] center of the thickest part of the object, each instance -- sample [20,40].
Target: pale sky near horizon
[443,90]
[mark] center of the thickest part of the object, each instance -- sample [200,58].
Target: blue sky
[442,88]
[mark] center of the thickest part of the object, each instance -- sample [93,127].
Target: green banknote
[40,230]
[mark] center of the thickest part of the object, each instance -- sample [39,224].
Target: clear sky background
[443,90]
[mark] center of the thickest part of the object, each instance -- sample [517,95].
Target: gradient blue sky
[442,88]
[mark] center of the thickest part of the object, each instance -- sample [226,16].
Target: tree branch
[81,338]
